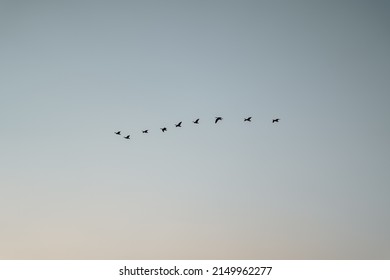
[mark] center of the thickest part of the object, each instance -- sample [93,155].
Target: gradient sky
[314,186]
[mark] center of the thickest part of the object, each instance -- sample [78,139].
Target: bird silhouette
[178,125]
[196,121]
[218,119]
[145,131]
[248,119]
[118,133]
[127,137]
[275,120]
[163,129]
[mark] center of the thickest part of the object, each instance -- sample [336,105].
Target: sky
[313,186]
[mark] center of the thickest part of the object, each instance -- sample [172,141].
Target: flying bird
[218,119]
[248,119]
[127,137]
[118,133]
[178,125]
[145,131]
[275,120]
[163,129]
[196,121]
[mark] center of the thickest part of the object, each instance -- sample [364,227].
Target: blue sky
[314,186]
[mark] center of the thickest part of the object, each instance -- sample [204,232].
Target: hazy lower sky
[314,186]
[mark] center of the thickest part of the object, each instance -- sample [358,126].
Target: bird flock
[164,129]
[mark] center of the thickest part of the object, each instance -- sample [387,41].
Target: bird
[127,137]
[145,131]
[164,129]
[196,121]
[118,132]
[248,119]
[218,119]
[275,120]
[178,125]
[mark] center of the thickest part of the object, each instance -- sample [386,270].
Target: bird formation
[217,119]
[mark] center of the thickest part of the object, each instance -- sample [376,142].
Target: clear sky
[314,186]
